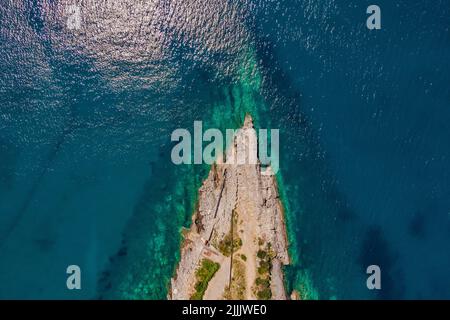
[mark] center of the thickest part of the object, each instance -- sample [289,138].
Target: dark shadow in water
[417,225]
[45,244]
[375,250]
[421,220]
[104,280]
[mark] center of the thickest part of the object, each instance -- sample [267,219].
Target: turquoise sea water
[86,117]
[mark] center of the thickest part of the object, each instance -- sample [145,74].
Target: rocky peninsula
[237,244]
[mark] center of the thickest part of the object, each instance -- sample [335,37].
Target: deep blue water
[86,117]
[379,104]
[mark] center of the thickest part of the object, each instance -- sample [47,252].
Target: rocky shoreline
[237,244]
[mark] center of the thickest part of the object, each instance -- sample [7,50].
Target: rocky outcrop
[239,213]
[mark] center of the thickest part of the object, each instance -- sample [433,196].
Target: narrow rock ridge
[240,225]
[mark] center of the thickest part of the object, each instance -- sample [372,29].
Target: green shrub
[261,254]
[265,294]
[262,270]
[204,274]
[227,245]
[263,283]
